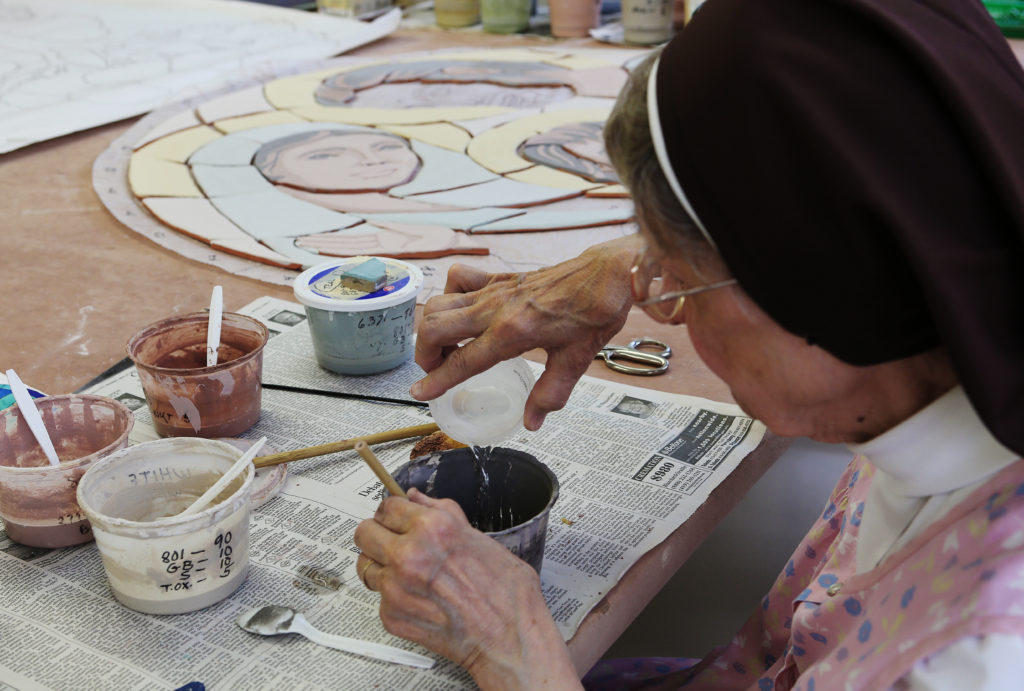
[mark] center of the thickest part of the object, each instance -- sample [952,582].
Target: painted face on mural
[340,162]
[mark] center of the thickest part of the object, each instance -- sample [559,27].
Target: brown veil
[860,166]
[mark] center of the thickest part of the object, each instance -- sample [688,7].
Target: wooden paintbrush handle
[344,445]
[394,489]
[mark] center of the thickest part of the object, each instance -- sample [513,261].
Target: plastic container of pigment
[189,399]
[360,312]
[157,561]
[37,500]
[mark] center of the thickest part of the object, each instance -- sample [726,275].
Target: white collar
[941,448]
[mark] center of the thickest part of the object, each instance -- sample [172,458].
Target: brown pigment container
[37,500]
[189,399]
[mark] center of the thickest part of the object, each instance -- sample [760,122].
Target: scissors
[654,362]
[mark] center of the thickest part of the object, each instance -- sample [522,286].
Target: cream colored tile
[608,191]
[182,121]
[497,149]
[549,177]
[578,62]
[157,177]
[235,104]
[298,90]
[178,146]
[442,134]
[249,122]
[405,116]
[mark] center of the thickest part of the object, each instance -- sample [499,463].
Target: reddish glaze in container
[185,397]
[37,500]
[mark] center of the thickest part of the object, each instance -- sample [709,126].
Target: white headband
[658,138]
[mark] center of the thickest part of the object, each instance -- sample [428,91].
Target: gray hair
[627,139]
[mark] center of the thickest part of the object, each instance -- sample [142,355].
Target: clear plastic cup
[488,408]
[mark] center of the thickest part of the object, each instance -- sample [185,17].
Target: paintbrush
[394,489]
[344,445]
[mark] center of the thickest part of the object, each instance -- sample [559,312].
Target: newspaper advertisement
[632,465]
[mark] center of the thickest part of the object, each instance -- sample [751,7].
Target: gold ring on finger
[362,574]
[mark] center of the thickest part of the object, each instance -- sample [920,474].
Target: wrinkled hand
[458,592]
[570,310]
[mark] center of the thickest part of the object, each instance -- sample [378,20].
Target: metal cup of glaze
[505,493]
[360,323]
[185,397]
[157,561]
[37,500]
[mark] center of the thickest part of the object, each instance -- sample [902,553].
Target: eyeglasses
[660,294]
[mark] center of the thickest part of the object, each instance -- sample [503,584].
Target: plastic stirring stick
[31,415]
[225,479]
[213,330]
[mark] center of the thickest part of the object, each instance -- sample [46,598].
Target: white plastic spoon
[31,414]
[213,330]
[273,620]
[216,488]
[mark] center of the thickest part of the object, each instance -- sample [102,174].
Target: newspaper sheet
[633,465]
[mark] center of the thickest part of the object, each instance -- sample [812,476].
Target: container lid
[347,284]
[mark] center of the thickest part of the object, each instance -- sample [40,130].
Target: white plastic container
[356,332]
[488,408]
[156,561]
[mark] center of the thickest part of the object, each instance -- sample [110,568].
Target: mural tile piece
[441,134]
[393,239]
[500,192]
[542,175]
[195,217]
[577,62]
[234,104]
[599,82]
[460,220]
[224,181]
[180,145]
[251,249]
[158,177]
[286,247]
[477,125]
[557,220]
[442,170]
[269,215]
[498,148]
[248,122]
[226,151]
[298,91]
[404,116]
[618,191]
[182,121]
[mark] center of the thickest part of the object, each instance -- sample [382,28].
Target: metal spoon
[273,620]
